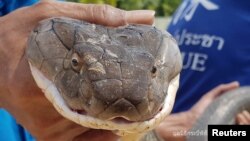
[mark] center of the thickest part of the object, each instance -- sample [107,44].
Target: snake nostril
[74,62]
[153,70]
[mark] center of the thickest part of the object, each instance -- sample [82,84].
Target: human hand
[209,97]
[176,126]
[243,118]
[18,91]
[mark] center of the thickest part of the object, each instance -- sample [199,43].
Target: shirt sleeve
[10,130]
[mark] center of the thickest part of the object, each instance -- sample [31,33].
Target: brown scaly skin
[107,72]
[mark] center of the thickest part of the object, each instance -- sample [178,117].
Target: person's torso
[213,36]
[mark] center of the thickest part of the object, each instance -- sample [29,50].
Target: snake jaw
[121,128]
[99,69]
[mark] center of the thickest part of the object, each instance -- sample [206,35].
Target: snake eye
[76,62]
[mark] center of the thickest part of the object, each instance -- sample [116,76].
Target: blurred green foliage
[162,7]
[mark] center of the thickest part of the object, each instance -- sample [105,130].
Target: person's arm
[16,26]
[175,126]
[18,91]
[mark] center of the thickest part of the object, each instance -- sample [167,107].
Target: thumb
[209,97]
[222,89]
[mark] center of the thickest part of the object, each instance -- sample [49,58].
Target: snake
[222,111]
[122,79]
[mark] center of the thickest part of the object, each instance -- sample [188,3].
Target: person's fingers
[28,17]
[240,119]
[243,118]
[223,88]
[100,14]
[108,15]
[208,98]
[140,16]
[247,115]
[212,94]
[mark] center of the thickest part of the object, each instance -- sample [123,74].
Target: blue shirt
[10,130]
[6,6]
[213,36]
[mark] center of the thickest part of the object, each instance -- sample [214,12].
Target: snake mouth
[79,111]
[117,119]
[123,120]
[121,126]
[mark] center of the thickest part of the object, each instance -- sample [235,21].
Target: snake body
[122,79]
[222,111]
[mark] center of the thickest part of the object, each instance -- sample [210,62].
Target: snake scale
[122,79]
